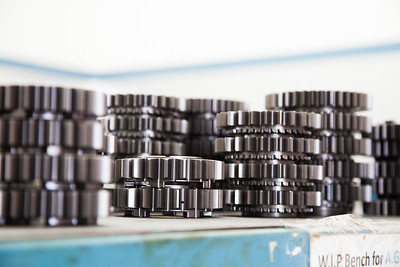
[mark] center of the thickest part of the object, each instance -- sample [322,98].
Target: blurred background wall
[239,50]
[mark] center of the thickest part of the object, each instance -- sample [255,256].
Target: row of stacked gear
[50,169]
[308,154]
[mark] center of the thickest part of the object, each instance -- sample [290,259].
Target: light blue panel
[204,248]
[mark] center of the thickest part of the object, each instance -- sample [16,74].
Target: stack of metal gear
[202,120]
[49,171]
[386,185]
[268,156]
[343,135]
[169,185]
[146,125]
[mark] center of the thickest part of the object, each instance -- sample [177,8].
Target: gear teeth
[50,173]
[383,207]
[269,118]
[267,145]
[320,100]
[168,185]
[213,106]
[343,135]
[57,100]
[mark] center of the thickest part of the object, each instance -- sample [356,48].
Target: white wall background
[107,37]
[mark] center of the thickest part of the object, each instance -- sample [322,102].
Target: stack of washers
[49,171]
[268,156]
[169,185]
[386,185]
[344,135]
[146,125]
[202,120]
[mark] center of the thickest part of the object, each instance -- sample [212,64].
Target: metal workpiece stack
[50,173]
[201,114]
[145,125]
[344,135]
[168,185]
[268,166]
[386,185]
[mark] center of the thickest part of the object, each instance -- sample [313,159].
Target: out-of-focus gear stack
[202,120]
[386,185]
[146,125]
[343,134]
[168,185]
[268,156]
[50,173]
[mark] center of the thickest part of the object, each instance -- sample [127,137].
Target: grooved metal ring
[346,145]
[261,170]
[269,118]
[192,202]
[146,122]
[214,106]
[64,168]
[31,205]
[383,207]
[170,168]
[39,99]
[267,144]
[156,103]
[17,132]
[319,100]
[137,147]
[387,131]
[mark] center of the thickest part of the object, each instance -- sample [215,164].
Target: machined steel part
[383,207]
[142,146]
[338,145]
[145,104]
[214,106]
[347,169]
[387,131]
[65,168]
[319,100]
[387,168]
[203,125]
[202,146]
[262,170]
[42,99]
[386,187]
[259,121]
[345,122]
[183,169]
[271,203]
[388,149]
[191,202]
[29,205]
[40,133]
[145,122]
[267,147]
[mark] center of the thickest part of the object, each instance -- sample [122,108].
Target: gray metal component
[40,133]
[64,168]
[138,147]
[145,104]
[284,120]
[57,100]
[191,202]
[267,147]
[214,106]
[174,168]
[35,206]
[319,100]
[387,131]
[169,185]
[383,207]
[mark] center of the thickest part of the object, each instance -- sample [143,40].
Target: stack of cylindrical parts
[169,185]
[146,125]
[386,185]
[343,135]
[202,120]
[49,171]
[268,156]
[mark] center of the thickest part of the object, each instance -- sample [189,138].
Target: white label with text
[354,250]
